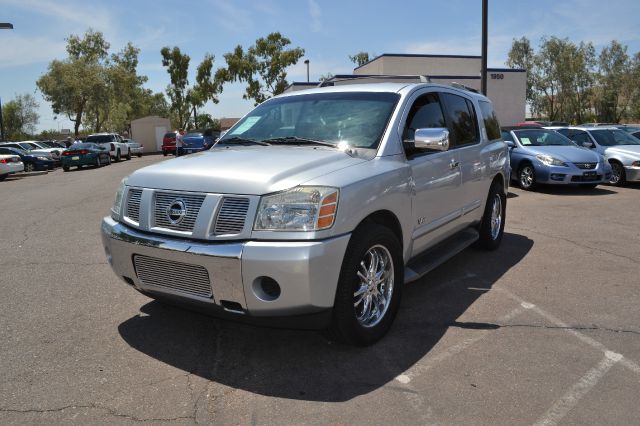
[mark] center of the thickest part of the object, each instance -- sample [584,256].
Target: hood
[249,170]
[630,150]
[570,154]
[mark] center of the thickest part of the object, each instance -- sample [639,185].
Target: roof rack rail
[418,78]
[463,87]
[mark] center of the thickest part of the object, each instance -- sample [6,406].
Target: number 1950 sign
[497,76]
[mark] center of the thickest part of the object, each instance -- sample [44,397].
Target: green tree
[521,55]
[72,83]
[616,83]
[20,117]
[360,58]
[177,65]
[263,67]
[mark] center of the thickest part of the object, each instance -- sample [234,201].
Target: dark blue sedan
[542,156]
[32,161]
[197,141]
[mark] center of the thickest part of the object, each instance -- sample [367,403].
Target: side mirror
[436,139]
[587,144]
[510,144]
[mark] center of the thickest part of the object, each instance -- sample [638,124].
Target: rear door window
[461,120]
[490,120]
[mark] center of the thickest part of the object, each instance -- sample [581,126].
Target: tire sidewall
[533,174]
[344,318]
[486,240]
[620,168]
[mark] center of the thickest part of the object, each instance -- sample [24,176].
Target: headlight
[117,204]
[550,161]
[304,208]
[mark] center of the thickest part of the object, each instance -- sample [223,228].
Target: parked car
[317,207]
[198,140]
[543,156]
[54,144]
[85,154]
[134,147]
[33,149]
[10,164]
[619,148]
[31,161]
[112,142]
[169,143]
[53,150]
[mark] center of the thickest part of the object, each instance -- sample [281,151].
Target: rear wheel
[117,156]
[369,287]
[28,167]
[98,162]
[492,225]
[65,168]
[165,153]
[618,176]
[527,177]
[128,157]
[3,177]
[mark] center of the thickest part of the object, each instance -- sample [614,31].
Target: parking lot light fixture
[3,26]
[6,26]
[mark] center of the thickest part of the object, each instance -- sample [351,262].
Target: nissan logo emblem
[176,211]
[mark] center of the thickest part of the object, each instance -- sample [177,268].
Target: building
[227,123]
[149,132]
[506,87]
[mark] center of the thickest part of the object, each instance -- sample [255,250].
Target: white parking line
[563,405]
[421,368]
[559,323]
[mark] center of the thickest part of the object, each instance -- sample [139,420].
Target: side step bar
[427,261]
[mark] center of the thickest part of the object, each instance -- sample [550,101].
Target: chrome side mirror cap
[587,144]
[510,144]
[435,139]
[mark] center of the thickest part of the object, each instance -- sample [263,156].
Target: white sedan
[10,164]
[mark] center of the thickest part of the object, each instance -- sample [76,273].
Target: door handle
[454,164]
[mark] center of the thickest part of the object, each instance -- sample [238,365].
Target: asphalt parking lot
[545,330]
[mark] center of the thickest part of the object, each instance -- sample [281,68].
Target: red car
[169,143]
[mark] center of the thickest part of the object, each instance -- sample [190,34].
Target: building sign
[497,76]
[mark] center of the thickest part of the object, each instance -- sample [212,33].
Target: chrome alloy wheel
[496,216]
[616,173]
[526,176]
[376,275]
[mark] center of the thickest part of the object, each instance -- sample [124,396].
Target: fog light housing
[557,176]
[266,289]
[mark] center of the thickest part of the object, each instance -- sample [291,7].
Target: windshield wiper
[247,141]
[297,140]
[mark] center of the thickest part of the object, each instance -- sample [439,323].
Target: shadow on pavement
[304,365]
[565,190]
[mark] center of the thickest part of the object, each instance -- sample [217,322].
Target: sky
[328,30]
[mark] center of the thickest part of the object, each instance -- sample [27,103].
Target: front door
[436,178]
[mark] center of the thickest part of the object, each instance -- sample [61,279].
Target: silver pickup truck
[317,207]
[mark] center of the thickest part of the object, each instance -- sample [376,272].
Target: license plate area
[75,158]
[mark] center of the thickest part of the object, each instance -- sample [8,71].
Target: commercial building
[506,87]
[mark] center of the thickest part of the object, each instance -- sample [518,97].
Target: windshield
[608,137]
[357,119]
[100,138]
[542,138]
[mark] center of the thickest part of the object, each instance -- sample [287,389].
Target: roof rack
[418,78]
[463,87]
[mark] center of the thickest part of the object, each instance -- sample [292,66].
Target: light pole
[3,26]
[483,76]
[306,61]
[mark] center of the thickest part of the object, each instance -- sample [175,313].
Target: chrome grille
[586,166]
[192,203]
[177,276]
[231,216]
[133,204]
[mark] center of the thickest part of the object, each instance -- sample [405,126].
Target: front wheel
[28,167]
[98,162]
[492,224]
[65,168]
[369,287]
[527,177]
[618,176]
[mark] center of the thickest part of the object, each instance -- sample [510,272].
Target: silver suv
[317,207]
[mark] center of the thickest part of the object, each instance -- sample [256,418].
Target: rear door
[436,177]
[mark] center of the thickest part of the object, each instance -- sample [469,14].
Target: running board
[438,254]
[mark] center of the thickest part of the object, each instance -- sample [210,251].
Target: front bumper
[555,175]
[306,271]
[632,174]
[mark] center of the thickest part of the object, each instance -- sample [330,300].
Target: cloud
[18,50]
[232,18]
[316,16]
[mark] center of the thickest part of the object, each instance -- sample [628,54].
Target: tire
[98,162]
[65,168]
[108,160]
[165,153]
[491,227]
[139,155]
[350,322]
[117,159]
[29,167]
[527,177]
[618,176]
[3,177]
[128,157]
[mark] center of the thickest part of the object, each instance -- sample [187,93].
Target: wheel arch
[387,219]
